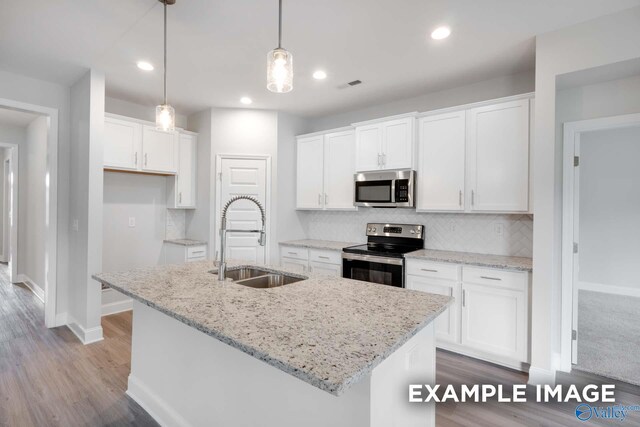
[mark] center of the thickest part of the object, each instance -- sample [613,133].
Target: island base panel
[184,377]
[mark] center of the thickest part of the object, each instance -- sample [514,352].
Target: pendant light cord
[279,23]
[165,52]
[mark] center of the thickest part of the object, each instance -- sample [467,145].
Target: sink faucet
[223,230]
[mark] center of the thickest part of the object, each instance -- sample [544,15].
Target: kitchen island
[322,351]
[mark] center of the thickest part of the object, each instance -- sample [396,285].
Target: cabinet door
[159,150]
[122,144]
[398,143]
[294,265]
[333,270]
[441,150]
[494,320]
[310,164]
[186,178]
[447,325]
[339,168]
[368,147]
[498,160]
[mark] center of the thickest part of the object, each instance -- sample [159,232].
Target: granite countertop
[185,242]
[327,331]
[319,244]
[480,260]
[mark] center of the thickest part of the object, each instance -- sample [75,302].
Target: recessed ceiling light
[319,75]
[441,33]
[246,100]
[146,66]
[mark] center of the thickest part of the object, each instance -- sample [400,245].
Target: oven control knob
[412,231]
[373,229]
[369,229]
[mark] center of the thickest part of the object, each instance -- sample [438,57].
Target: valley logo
[585,412]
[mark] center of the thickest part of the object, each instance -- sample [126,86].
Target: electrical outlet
[452,228]
[498,228]
[132,221]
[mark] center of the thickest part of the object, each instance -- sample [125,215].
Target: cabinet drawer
[436,270]
[333,257]
[516,280]
[293,252]
[196,252]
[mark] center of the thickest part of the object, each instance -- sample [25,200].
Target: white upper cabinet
[182,189]
[398,138]
[385,145]
[159,150]
[498,157]
[441,162]
[339,168]
[310,170]
[326,165]
[369,147]
[122,144]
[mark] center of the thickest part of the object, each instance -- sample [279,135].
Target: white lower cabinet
[318,261]
[489,318]
[179,254]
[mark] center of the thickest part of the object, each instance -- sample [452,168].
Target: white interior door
[248,177]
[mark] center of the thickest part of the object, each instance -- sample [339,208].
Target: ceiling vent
[350,84]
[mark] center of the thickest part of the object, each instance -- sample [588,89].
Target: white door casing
[248,176]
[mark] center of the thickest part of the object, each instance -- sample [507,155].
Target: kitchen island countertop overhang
[326,331]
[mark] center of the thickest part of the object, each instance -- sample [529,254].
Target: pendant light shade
[280,71]
[279,63]
[165,114]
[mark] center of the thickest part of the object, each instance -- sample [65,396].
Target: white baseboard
[37,290]
[117,307]
[540,376]
[609,289]
[153,404]
[61,319]
[86,336]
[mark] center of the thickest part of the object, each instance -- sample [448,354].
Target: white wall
[289,221]
[481,91]
[32,202]
[38,92]
[87,133]
[610,207]
[137,111]
[594,43]
[142,197]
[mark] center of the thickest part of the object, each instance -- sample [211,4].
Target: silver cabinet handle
[473,197]
[323,257]
[292,253]
[135,161]
[325,198]
[450,292]
[460,198]
[197,252]
[145,159]
[429,270]
[319,199]
[379,159]
[490,278]
[464,298]
[384,159]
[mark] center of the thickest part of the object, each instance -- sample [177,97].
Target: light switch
[75,225]
[132,221]
[498,228]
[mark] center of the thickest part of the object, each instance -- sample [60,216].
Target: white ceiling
[218,48]
[15,117]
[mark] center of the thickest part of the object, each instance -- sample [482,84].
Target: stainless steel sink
[269,281]
[244,273]
[259,278]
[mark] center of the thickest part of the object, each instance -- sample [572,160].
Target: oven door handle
[374,259]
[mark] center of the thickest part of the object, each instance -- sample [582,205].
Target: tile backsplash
[176,224]
[498,234]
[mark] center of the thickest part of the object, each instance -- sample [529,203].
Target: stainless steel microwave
[385,189]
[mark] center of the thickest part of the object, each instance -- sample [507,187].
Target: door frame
[51,205]
[571,182]
[12,228]
[218,202]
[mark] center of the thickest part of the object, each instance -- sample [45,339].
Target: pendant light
[279,63]
[165,114]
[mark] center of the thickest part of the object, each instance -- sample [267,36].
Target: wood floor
[47,378]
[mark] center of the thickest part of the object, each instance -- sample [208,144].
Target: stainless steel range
[381,259]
